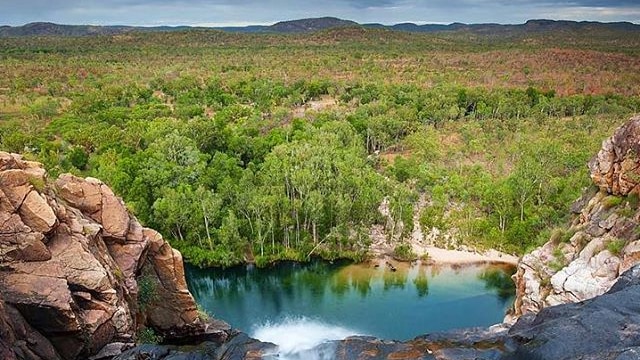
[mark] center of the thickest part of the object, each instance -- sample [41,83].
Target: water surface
[332,301]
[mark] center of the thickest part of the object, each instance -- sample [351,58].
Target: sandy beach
[444,256]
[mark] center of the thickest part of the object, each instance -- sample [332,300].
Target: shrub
[147,291]
[568,235]
[148,336]
[262,261]
[631,206]
[78,158]
[37,183]
[557,235]
[611,201]
[615,246]
[404,252]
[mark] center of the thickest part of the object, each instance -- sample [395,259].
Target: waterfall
[302,338]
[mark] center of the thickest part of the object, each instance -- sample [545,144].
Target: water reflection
[499,281]
[399,304]
[422,283]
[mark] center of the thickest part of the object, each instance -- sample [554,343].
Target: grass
[611,201]
[615,246]
[37,183]
[559,260]
[203,314]
[560,235]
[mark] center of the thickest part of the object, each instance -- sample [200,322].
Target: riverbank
[380,248]
[459,257]
[381,251]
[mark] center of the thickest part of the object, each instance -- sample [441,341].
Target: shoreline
[426,254]
[439,256]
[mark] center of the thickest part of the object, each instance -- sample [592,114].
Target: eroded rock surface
[71,257]
[615,168]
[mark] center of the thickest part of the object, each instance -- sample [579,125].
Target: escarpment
[78,271]
[602,241]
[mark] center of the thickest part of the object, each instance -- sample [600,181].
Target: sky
[266,12]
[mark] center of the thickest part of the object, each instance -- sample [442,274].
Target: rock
[70,257]
[44,301]
[604,327]
[36,213]
[630,256]
[239,347]
[24,341]
[614,168]
[16,184]
[85,195]
[110,351]
[115,218]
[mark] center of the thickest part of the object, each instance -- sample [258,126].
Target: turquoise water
[338,300]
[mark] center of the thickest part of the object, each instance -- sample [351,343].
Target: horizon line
[266,24]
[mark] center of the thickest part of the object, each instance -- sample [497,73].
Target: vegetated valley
[265,147]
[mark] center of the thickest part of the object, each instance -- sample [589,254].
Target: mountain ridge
[308,25]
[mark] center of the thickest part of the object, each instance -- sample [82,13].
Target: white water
[302,338]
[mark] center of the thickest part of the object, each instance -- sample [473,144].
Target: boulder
[115,218]
[44,301]
[85,195]
[238,347]
[36,213]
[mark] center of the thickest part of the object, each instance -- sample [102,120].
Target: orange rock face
[70,258]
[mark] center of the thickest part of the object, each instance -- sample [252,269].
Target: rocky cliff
[79,274]
[586,258]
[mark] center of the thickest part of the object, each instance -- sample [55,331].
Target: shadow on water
[370,299]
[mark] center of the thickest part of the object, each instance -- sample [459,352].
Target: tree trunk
[206,226]
[315,233]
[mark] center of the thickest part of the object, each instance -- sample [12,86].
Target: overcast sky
[244,12]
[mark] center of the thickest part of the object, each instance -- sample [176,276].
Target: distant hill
[52,29]
[316,24]
[46,28]
[530,26]
[308,25]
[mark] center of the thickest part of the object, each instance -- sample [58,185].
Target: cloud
[226,12]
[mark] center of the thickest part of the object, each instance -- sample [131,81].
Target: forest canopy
[267,147]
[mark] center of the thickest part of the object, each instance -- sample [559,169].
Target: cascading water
[302,338]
